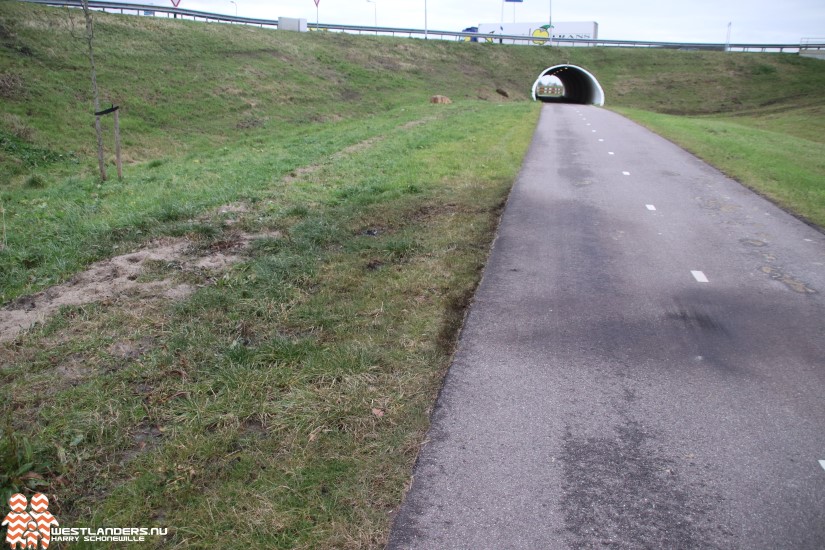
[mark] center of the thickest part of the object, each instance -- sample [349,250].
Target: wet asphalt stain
[621,492]
[694,319]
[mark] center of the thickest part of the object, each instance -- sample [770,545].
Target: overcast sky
[754,21]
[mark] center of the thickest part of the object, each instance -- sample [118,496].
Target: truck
[543,32]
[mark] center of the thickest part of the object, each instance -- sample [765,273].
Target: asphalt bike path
[643,365]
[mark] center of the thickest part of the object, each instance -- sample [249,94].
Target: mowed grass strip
[283,404]
[777,163]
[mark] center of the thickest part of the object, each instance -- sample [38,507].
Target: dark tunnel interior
[580,86]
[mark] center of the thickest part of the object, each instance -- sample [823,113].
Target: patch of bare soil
[118,278]
[11,86]
[413,123]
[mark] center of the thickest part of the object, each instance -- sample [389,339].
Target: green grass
[255,408]
[284,401]
[242,83]
[55,230]
[240,79]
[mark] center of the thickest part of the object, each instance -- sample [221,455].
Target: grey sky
[754,21]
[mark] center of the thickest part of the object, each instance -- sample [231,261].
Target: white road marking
[626,173]
[699,276]
[809,240]
[600,139]
[822,463]
[594,131]
[611,153]
[650,207]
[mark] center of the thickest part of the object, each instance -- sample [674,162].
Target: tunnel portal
[580,86]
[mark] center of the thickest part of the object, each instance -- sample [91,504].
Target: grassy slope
[253,401]
[242,81]
[237,77]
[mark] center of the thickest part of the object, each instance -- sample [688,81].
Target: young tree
[90,36]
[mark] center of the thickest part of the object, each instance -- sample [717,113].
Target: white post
[375,6]
[727,41]
[425,19]
[501,27]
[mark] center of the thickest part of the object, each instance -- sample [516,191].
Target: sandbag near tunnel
[580,86]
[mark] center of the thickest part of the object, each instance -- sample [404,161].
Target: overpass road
[643,366]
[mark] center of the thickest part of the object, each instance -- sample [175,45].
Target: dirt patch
[326,118]
[249,123]
[74,369]
[127,349]
[413,123]
[145,437]
[118,278]
[223,254]
[233,208]
[11,86]
[301,172]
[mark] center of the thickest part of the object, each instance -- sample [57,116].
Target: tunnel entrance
[578,86]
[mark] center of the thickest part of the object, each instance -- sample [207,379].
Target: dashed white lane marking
[600,139]
[809,240]
[625,173]
[650,207]
[611,153]
[699,276]
[594,131]
[822,463]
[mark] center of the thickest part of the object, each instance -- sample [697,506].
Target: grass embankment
[283,401]
[281,404]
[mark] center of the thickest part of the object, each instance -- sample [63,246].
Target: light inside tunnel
[580,86]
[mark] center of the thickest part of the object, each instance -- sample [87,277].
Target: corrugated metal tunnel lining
[580,86]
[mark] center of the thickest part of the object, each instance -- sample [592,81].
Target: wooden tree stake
[117,145]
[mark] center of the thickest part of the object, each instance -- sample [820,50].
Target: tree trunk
[90,36]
